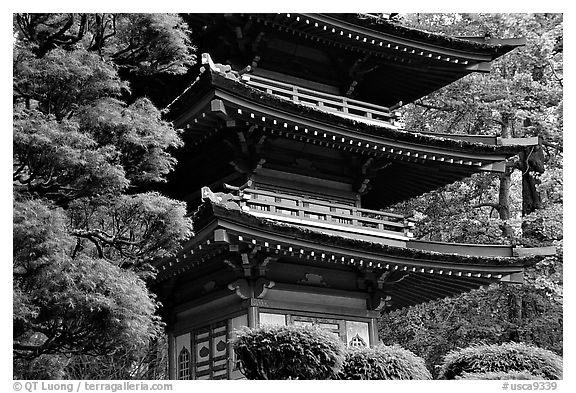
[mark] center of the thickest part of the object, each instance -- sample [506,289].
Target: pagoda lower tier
[242,269]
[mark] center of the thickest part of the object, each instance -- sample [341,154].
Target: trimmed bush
[510,375]
[504,358]
[288,352]
[383,362]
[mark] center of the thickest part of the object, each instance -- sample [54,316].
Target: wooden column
[252,314]
[172,356]
[373,332]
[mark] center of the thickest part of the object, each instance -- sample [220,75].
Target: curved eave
[197,109]
[415,276]
[388,38]
[294,240]
[474,47]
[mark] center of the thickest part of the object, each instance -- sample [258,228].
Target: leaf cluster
[288,352]
[383,362]
[508,357]
[500,375]
[129,229]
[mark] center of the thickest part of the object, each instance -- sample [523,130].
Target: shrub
[501,375]
[383,362]
[288,352]
[506,357]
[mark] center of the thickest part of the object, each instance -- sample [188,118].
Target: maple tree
[84,151]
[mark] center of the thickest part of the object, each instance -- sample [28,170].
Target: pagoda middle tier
[244,133]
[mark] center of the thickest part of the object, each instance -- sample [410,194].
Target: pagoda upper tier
[352,55]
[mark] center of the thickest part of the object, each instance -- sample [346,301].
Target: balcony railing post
[408,228]
[295,94]
[354,214]
[300,206]
[344,105]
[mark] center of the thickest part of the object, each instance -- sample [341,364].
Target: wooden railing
[325,214]
[326,102]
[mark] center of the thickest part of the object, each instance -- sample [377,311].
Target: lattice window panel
[184,364]
[211,352]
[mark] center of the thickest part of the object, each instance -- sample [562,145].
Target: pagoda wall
[201,334]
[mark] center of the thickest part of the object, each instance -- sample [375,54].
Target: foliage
[55,159]
[79,137]
[383,362]
[148,364]
[525,83]
[41,367]
[82,149]
[501,375]
[127,229]
[544,226]
[521,96]
[138,132]
[144,43]
[459,212]
[61,81]
[152,43]
[497,314]
[288,352]
[502,358]
[65,305]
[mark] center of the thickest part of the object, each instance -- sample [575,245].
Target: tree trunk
[506,180]
[504,202]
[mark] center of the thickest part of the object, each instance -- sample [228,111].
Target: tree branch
[494,206]
[560,80]
[92,237]
[553,146]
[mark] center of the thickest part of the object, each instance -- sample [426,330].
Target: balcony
[337,105]
[325,102]
[328,217]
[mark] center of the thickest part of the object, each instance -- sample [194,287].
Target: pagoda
[293,151]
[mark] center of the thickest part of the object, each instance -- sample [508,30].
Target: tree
[84,150]
[522,96]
